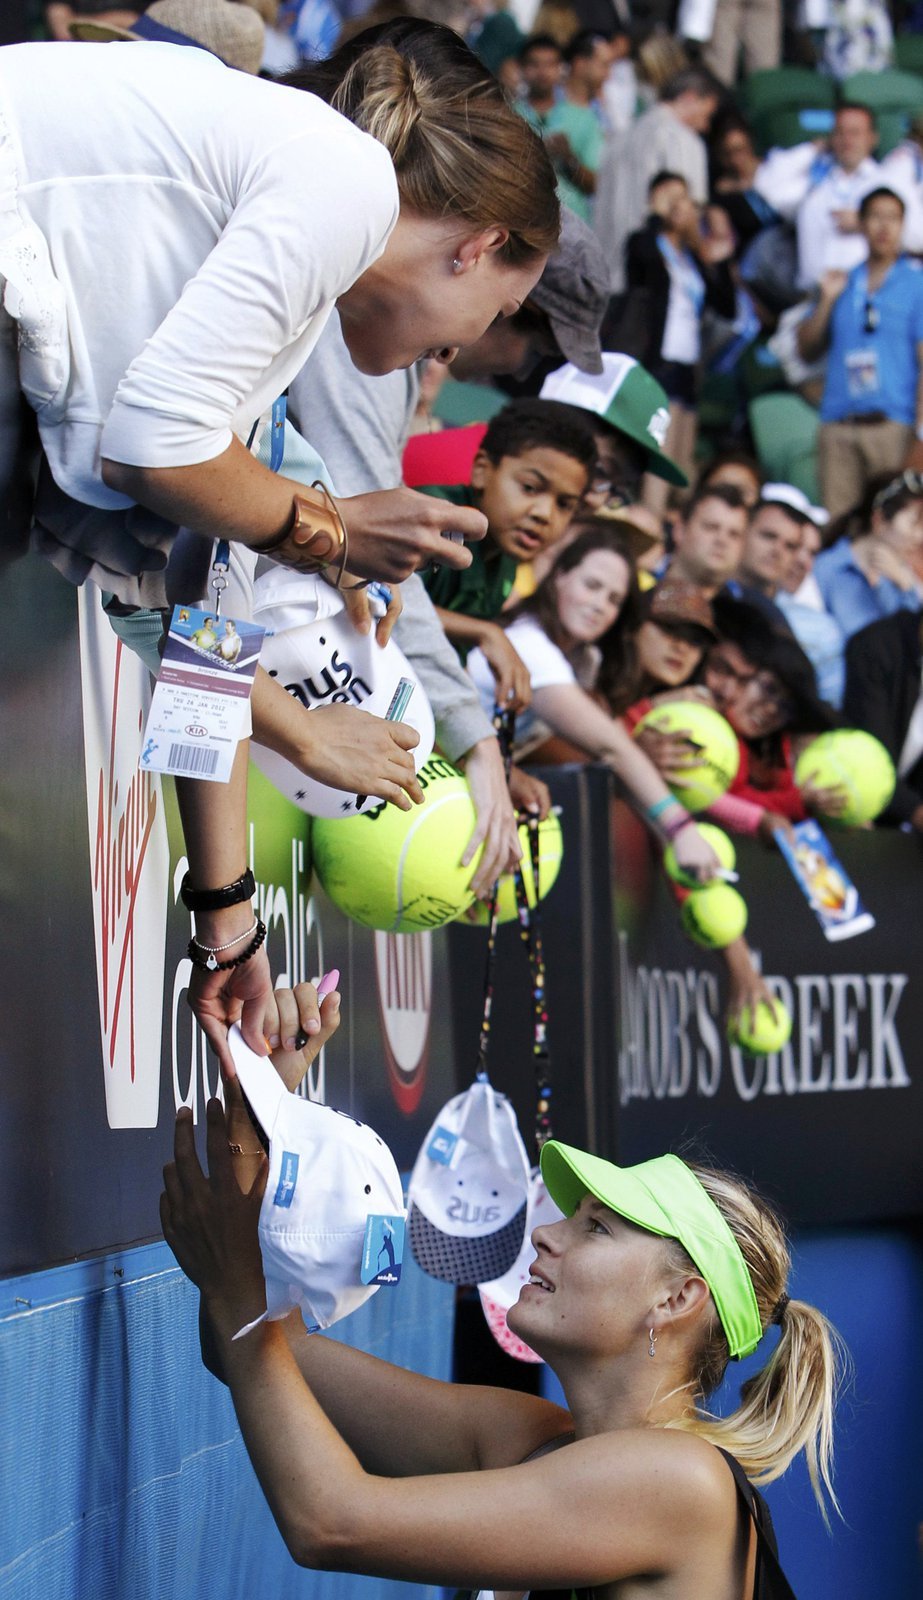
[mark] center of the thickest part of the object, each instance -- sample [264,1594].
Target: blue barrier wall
[124,1476]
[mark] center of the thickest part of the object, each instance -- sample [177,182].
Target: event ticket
[200,709]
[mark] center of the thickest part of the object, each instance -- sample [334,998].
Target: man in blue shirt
[871,322]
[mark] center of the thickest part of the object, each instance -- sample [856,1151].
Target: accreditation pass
[200,708]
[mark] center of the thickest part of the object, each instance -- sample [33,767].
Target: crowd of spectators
[725,249]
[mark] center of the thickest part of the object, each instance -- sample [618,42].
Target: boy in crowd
[529,476]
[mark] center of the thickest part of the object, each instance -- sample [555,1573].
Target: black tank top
[770,1582]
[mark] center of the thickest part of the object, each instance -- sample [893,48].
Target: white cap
[469,1189]
[313,650]
[332,1218]
[786,494]
[497,1297]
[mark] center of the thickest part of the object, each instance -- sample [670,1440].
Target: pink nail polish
[328,983]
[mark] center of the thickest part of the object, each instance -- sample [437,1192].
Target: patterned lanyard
[530,931]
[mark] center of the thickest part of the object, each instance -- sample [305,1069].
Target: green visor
[665,1197]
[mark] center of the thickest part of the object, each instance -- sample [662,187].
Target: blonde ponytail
[788,1405]
[458,147]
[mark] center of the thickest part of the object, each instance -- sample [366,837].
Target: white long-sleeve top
[173,237]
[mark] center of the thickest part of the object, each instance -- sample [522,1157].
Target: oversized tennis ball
[550,853]
[400,871]
[758,1032]
[856,761]
[719,842]
[715,915]
[715,741]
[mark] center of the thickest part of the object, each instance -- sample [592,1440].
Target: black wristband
[233,894]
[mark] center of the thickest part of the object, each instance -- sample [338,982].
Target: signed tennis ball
[400,871]
[856,762]
[714,741]
[715,915]
[758,1032]
[719,842]
[550,853]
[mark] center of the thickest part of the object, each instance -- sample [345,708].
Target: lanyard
[530,932]
[222,560]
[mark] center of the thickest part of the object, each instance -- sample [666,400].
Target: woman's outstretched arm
[637,1501]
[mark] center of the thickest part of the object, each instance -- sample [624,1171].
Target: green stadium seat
[892,128]
[787,125]
[457,404]
[784,429]
[785,87]
[885,91]
[908,52]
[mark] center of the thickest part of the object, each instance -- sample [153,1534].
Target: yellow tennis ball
[550,853]
[858,763]
[758,1032]
[715,740]
[719,842]
[400,871]
[715,915]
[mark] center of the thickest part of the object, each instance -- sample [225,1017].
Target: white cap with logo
[469,1189]
[332,1218]
[787,494]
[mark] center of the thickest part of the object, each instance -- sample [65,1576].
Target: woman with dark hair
[764,684]
[573,634]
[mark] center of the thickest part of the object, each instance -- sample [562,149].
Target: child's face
[528,500]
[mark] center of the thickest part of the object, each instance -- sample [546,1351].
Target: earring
[653,1339]
[456,265]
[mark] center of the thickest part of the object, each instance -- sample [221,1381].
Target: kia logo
[195,732]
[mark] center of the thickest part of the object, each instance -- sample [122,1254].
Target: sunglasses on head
[907,483]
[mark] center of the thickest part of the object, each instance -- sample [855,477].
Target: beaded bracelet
[673,828]
[211,965]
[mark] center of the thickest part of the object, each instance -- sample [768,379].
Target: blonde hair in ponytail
[458,147]
[788,1405]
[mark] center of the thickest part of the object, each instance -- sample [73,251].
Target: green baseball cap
[665,1197]
[626,396]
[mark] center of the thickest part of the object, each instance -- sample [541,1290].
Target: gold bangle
[238,1150]
[331,506]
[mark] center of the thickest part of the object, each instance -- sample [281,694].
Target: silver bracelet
[216,949]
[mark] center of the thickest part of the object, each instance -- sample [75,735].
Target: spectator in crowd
[496,38]
[871,575]
[773,539]
[570,122]
[529,476]
[764,684]
[871,325]
[667,138]
[629,413]
[675,268]
[708,540]
[737,469]
[570,638]
[744,33]
[821,189]
[736,167]
[620,91]
[884,695]
[800,601]
[541,63]
[902,168]
[171,352]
